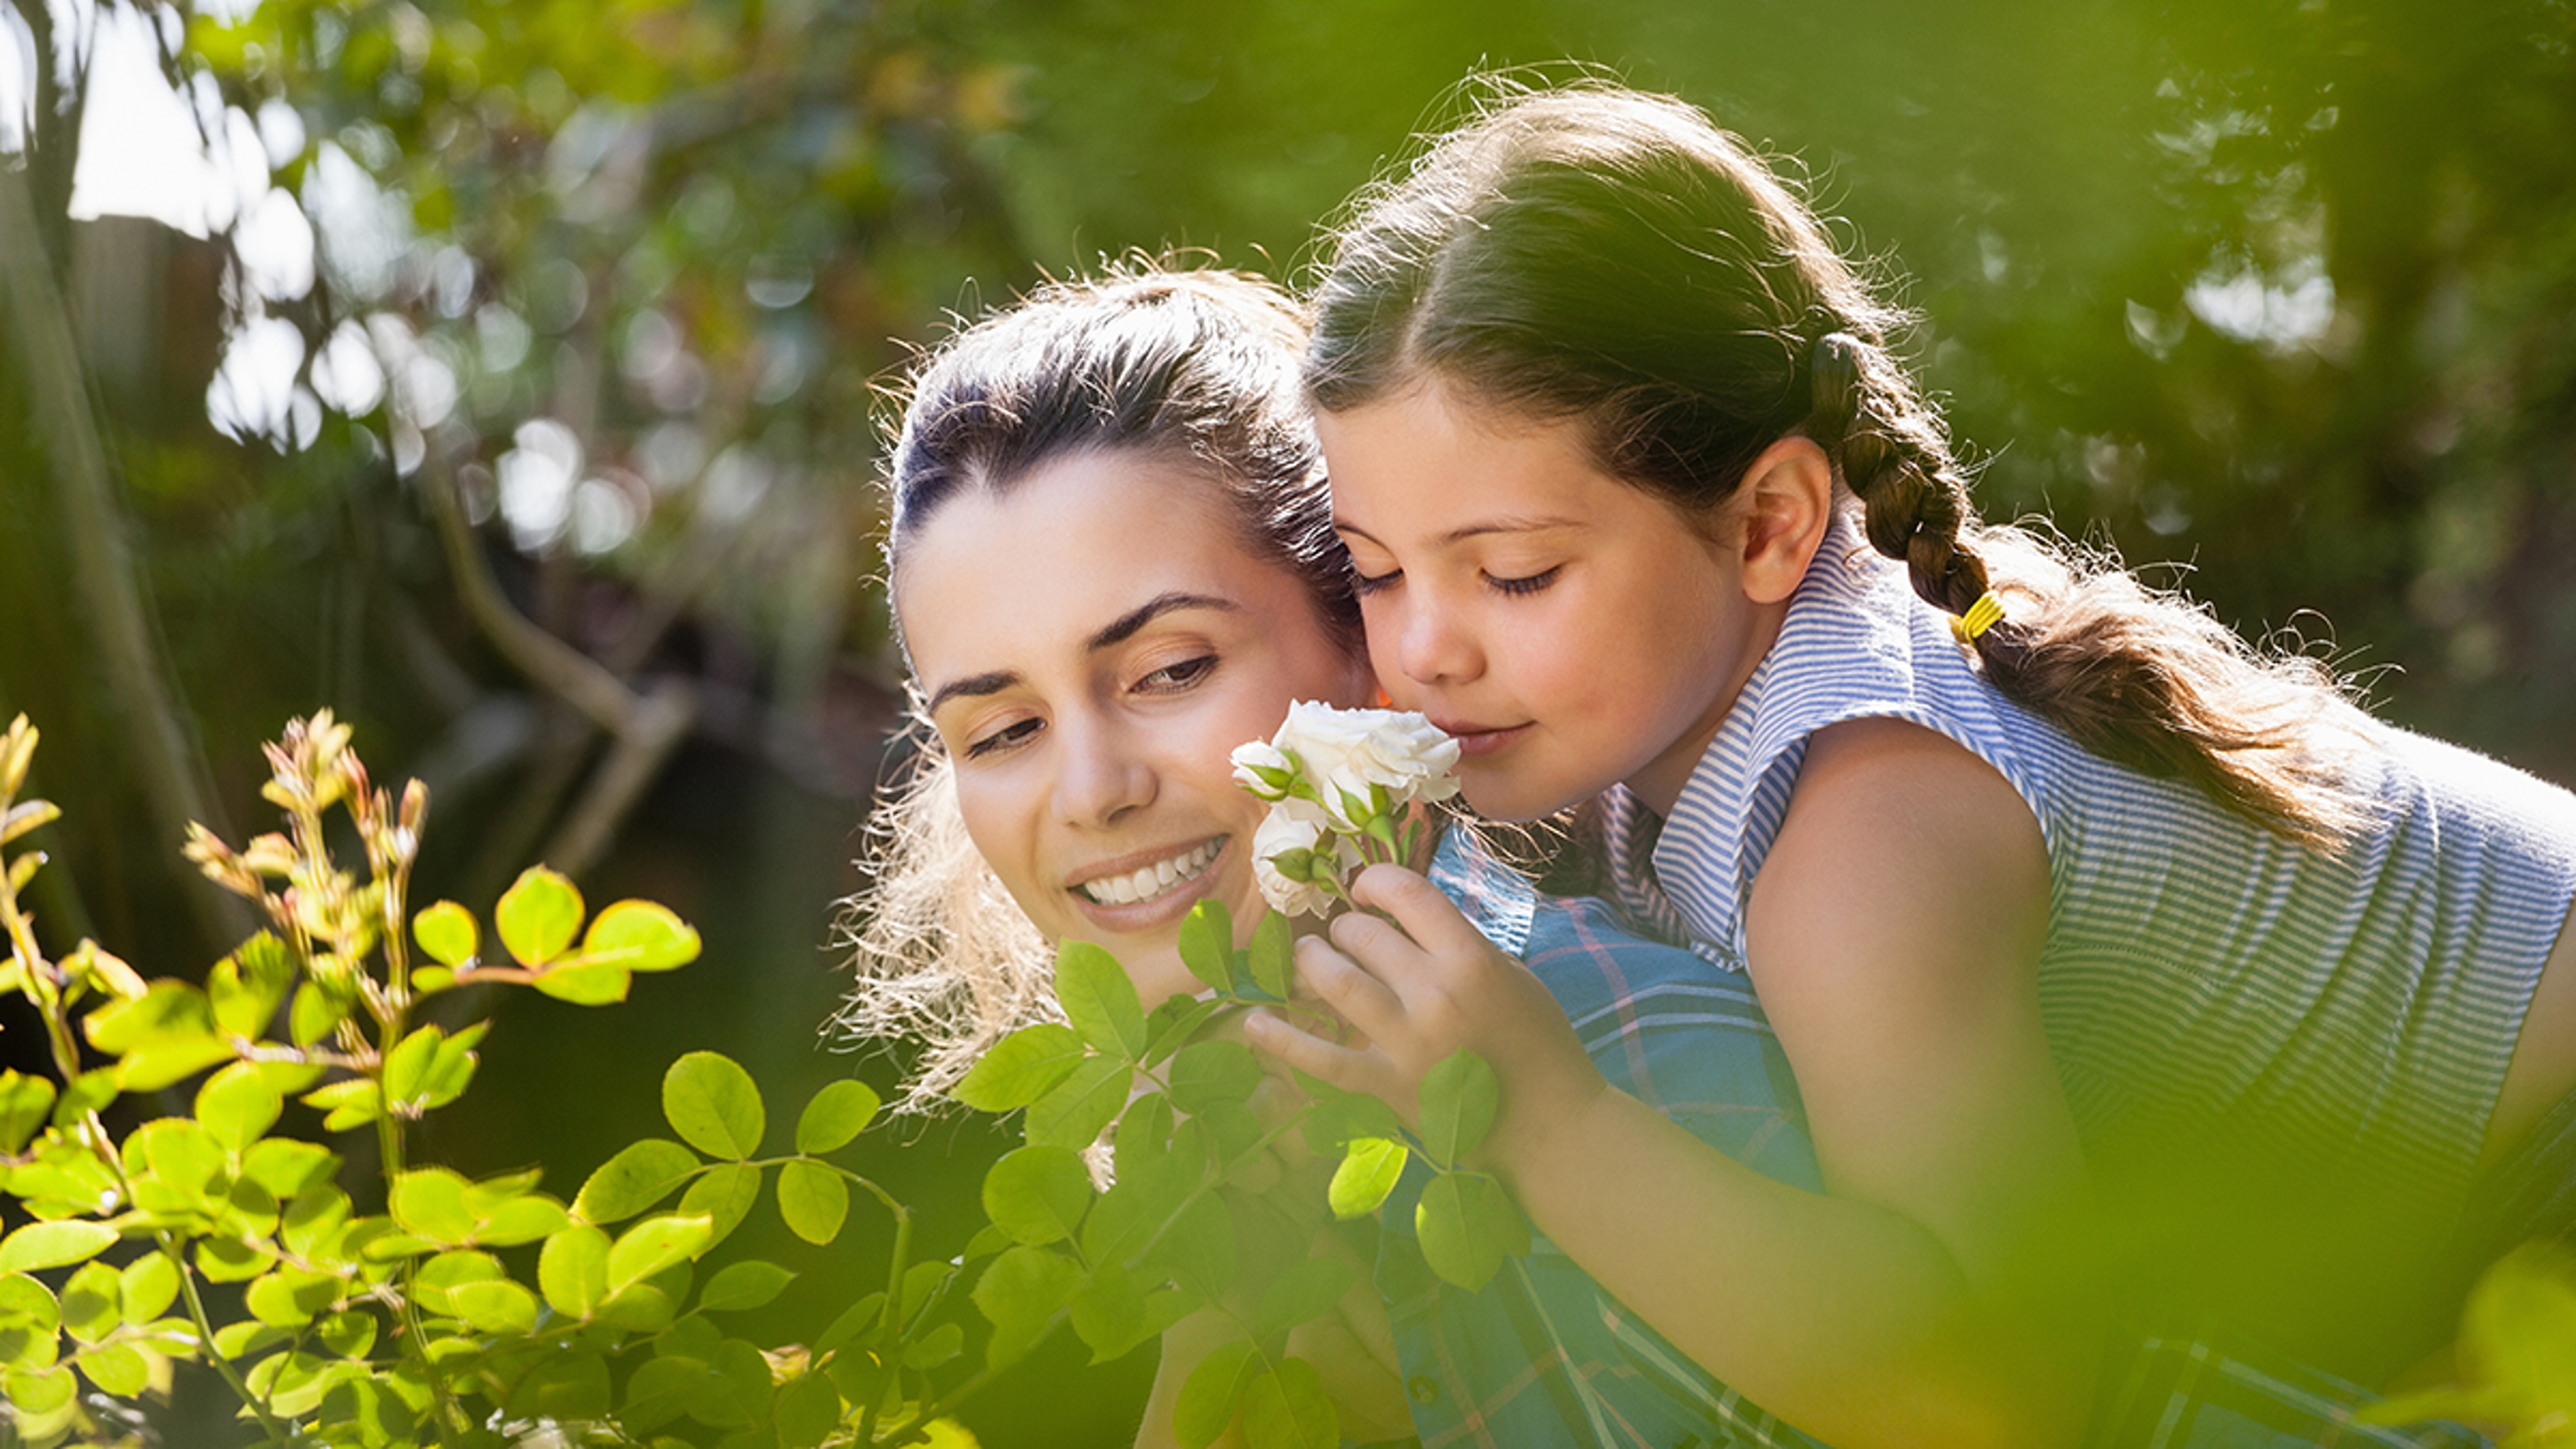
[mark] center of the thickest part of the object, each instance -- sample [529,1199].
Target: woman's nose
[1103,777]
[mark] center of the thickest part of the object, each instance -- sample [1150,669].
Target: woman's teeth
[1152,880]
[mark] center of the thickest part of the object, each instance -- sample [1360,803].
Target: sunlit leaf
[1021,1068]
[53,1245]
[836,1116]
[639,1176]
[724,1194]
[1099,1000]
[640,936]
[1205,1073]
[238,1105]
[1268,958]
[1212,1394]
[448,933]
[651,1246]
[1079,1108]
[585,983]
[746,1285]
[1207,943]
[813,1200]
[1286,1408]
[25,1102]
[1459,1097]
[1038,1194]
[1367,1173]
[1467,1226]
[714,1106]
[538,916]
[572,1270]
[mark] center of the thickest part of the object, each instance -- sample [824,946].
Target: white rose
[1282,833]
[1350,750]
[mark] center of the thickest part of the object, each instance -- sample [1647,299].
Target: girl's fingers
[1352,1071]
[1350,990]
[1430,919]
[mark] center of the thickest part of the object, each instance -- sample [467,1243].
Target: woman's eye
[1527,584]
[1001,739]
[1365,584]
[1179,676]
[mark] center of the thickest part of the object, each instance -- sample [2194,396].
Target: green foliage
[416,1324]
[2516,1353]
[1212,1209]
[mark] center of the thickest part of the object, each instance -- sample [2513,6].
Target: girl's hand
[1421,983]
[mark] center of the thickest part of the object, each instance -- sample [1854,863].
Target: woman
[1112,562]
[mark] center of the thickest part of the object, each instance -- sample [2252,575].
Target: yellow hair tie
[1984,614]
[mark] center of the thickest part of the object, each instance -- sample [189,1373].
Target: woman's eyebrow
[973,686]
[1124,627]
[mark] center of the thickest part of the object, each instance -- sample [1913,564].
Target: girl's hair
[1200,366]
[1595,254]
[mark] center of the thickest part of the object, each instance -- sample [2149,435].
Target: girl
[2094,938]
[1111,562]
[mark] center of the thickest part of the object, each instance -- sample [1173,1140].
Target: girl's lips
[1474,740]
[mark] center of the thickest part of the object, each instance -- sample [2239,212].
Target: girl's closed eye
[1366,584]
[1525,583]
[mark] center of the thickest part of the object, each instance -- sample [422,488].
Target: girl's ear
[1782,508]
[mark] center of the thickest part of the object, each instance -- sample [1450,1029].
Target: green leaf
[1467,1226]
[1199,1249]
[806,1411]
[407,1065]
[1038,1194]
[147,1288]
[287,1166]
[24,1103]
[247,986]
[1206,1073]
[448,933]
[290,1298]
[1212,1393]
[53,1245]
[1099,999]
[352,1102]
[1270,958]
[170,1010]
[934,1348]
[1339,1117]
[451,1069]
[712,1103]
[37,1392]
[348,1334]
[572,1271]
[836,1116]
[1301,1295]
[429,1202]
[118,1370]
[1207,943]
[1135,1208]
[1019,1293]
[1170,1026]
[639,1176]
[1459,1097]
[538,916]
[724,1193]
[1081,1106]
[640,936]
[238,1105]
[89,1303]
[585,983]
[169,1061]
[564,1389]
[651,1246]
[519,1220]
[1286,1408]
[813,1201]
[1021,1068]
[317,1010]
[1109,1313]
[1367,1173]
[740,1286]
[497,1306]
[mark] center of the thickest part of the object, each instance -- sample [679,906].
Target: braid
[1891,456]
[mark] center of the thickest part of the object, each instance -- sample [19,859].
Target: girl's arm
[1927,1298]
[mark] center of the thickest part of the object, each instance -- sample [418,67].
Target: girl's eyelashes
[1365,584]
[1528,583]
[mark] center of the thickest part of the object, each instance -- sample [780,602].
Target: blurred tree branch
[39,327]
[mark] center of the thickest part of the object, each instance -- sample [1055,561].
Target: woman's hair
[1197,366]
[1600,255]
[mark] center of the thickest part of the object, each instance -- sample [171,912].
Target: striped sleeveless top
[2319,1035]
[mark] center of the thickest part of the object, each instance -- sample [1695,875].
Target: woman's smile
[1146,877]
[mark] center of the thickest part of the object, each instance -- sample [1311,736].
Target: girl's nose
[1431,648]
[1103,777]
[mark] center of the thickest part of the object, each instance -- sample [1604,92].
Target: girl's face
[1094,643]
[1571,630]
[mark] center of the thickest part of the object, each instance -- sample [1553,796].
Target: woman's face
[1094,643]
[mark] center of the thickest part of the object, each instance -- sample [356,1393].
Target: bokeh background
[505,377]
